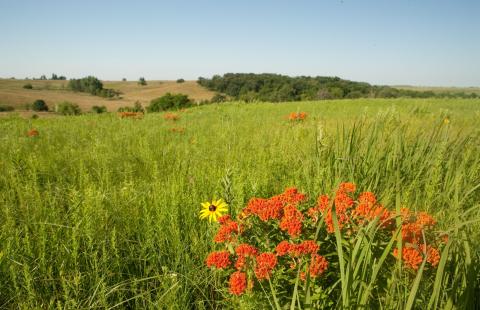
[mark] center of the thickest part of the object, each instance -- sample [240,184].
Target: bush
[28,86]
[39,105]
[68,108]
[142,81]
[180,80]
[6,108]
[219,98]
[169,102]
[99,109]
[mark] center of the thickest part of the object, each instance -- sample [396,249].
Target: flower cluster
[280,238]
[297,116]
[134,115]
[418,237]
[171,117]
[255,261]
[32,133]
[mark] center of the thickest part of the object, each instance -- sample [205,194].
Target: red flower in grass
[238,283]
[283,248]
[411,257]
[244,251]
[219,259]
[228,230]
[318,265]
[266,262]
[32,132]
[291,221]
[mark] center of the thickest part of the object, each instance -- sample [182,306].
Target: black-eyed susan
[213,210]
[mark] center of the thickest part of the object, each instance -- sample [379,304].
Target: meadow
[102,212]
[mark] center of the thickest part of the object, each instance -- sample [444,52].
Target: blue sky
[416,42]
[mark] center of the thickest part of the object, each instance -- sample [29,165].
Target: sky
[387,42]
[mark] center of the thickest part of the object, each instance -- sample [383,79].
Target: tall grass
[102,212]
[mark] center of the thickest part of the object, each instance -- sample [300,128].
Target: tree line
[277,88]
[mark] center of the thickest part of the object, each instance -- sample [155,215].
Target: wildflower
[297,116]
[243,252]
[291,221]
[283,248]
[227,231]
[266,262]
[238,283]
[171,116]
[410,256]
[219,259]
[433,256]
[213,209]
[32,132]
[318,265]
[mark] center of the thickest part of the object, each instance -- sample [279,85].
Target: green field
[102,212]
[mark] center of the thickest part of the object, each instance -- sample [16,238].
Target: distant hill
[13,94]
[276,88]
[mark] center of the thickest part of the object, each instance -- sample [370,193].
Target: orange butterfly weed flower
[171,116]
[228,230]
[297,116]
[411,257]
[238,283]
[266,262]
[219,259]
[317,266]
[135,115]
[291,221]
[32,132]
[243,252]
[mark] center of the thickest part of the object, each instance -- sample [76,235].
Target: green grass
[102,212]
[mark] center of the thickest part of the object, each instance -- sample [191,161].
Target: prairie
[102,212]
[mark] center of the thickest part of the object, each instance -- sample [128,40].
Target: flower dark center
[212,208]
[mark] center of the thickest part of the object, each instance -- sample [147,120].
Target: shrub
[219,98]
[169,102]
[124,80]
[68,108]
[39,105]
[6,108]
[99,109]
[28,86]
[142,81]
[180,80]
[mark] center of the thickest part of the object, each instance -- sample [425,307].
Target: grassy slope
[13,93]
[439,89]
[98,210]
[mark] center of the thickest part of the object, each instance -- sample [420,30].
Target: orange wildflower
[318,265]
[266,262]
[291,221]
[219,259]
[238,283]
[244,251]
[32,132]
[411,257]
[228,230]
[171,116]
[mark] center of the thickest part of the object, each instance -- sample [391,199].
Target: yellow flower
[446,121]
[213,210]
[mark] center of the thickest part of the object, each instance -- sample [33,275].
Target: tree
[169,102]
[142,81]
[180,80]
[39,105]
